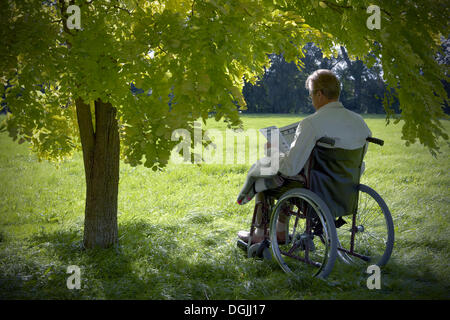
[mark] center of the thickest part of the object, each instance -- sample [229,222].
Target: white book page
[288,132]
[267,132]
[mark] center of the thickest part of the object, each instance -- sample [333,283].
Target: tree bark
[101,149]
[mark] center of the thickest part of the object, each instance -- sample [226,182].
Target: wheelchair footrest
[243,245]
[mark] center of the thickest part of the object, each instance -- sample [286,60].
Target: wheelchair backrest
[334,174]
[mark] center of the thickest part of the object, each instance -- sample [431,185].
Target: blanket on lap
[260,177]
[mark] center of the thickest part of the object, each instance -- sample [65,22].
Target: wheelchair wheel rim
[295,258]
[373,231]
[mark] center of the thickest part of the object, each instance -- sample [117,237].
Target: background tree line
[282,88]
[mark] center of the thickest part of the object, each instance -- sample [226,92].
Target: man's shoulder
[310,118]
[347,112]
[336,117]
[353,113]
[331,114]
[308,121]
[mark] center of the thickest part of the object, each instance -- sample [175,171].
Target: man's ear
[320,95]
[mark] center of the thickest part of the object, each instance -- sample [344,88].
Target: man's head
[324,87]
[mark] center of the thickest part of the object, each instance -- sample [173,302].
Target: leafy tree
[281,89]
[443,58]
[363,87]
[356,69]
[192,57]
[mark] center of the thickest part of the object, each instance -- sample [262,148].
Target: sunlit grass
[177,229]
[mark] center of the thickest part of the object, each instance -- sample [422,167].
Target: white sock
[259,232]
[281,227]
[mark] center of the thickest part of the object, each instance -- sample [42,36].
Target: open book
[286,135]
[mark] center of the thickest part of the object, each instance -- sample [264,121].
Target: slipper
[244,235]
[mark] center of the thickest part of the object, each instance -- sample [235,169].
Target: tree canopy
[192,57]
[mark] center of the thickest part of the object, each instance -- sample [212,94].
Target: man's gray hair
[326,81]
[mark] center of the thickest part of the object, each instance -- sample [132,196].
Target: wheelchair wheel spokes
[369,237]
[303,252]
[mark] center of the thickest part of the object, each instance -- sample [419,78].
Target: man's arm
[305,139]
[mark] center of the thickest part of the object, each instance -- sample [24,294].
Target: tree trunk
[101,148]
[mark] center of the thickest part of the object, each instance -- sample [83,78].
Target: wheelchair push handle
[375,140]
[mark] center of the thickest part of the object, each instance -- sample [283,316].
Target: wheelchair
[331,216]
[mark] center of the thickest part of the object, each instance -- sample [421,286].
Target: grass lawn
[178,227]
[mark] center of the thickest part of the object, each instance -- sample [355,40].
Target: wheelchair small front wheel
[369,236]
[260,250]
[309,247]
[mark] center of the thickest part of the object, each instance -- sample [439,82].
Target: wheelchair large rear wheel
[368,236]
[309,247]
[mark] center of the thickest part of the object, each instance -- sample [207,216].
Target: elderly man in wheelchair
[299,219]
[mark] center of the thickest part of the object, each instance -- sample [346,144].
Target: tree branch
[336,7]
[87,134]
[159,46]
[192,9]
[63,10]
[123,9]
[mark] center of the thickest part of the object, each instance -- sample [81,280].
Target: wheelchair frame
[261,250]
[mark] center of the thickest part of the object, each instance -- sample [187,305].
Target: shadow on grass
[149,263]
[30,270]
[163,262]
[398,280]
[415,281]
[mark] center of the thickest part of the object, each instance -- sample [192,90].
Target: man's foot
[244,235]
